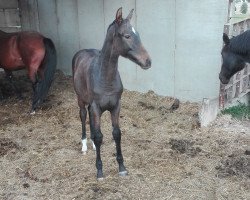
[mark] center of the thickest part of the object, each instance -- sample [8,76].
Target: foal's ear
[130,15]
[226,39]
[118,17]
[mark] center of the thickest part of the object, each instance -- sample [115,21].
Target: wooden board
[9,4]
[29,15]
[9,16]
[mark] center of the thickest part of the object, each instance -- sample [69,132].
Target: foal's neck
[108,62]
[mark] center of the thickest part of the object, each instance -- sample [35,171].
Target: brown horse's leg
[117,137]
[1,93]
[96,135]
[36,77]
[9,76]
[32,73]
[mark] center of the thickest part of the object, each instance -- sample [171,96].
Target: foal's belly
[108,102]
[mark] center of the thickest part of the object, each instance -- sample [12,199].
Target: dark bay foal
[98,84]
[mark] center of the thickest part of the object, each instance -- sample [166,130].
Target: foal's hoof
[100,179]
[123,173]
[99,175]
[32,112]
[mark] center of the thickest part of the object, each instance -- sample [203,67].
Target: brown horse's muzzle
[223,79]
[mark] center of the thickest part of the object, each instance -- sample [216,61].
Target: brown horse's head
[126,40]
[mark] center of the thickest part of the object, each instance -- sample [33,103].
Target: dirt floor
[167,154]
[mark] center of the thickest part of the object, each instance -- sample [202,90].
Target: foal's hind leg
[96,136]
[83,114]
[117,137]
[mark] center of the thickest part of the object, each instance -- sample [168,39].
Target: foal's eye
[127,36]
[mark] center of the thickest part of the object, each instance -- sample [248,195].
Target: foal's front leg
[117,137]
[96,136]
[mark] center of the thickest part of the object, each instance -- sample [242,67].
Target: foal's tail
[48,66]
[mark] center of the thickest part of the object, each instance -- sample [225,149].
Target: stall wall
[182,37]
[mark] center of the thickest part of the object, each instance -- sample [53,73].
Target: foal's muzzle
[148,64]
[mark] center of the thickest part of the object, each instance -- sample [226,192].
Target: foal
[98,85]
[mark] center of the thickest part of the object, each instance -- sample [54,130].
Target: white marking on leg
[94,148]
[84,146]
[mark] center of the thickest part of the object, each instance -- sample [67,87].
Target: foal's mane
[241,43]
[111,24]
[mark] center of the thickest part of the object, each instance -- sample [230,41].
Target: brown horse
[33,51]
[98,85]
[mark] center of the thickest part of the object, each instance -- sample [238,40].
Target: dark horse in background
[98,84]
[34,52]
[235,55]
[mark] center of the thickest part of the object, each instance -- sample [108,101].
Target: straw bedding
[167,154]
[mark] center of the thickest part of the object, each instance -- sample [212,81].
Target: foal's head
[126,40]
[232,62]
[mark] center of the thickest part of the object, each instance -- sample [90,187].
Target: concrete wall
[199,28]
[182,37]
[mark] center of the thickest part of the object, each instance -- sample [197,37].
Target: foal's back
[80,66]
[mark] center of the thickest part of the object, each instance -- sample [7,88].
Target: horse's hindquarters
[10,57]
[81,74]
